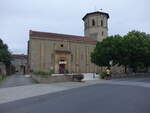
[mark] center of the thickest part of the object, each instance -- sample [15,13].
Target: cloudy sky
[17,17]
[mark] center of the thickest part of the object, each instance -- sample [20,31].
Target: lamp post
[110,62]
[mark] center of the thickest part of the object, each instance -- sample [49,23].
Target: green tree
[131,50]
[5,55]
[106,51]
[136,47]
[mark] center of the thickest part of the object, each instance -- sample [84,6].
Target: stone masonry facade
[46,53]
[61,53]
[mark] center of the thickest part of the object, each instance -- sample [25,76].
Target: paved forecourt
[103,97]
[21,92]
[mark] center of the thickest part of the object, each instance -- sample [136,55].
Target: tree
[131,50]
[5,55]
[136,47]
[106,51]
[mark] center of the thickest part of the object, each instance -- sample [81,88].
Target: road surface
[99,98]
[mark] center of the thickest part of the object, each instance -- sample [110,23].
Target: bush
[78,77]
[66,71]
[42,73]
[2,77]
[103,75]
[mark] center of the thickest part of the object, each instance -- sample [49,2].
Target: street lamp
[110,62]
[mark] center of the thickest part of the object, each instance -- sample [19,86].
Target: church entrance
[61,62]
[62,65]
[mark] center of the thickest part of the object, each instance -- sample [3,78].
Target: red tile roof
[19,56]
[60,36]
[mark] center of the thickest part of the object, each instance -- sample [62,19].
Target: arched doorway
[61,62]
[62,66]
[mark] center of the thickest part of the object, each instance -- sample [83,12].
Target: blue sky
[17,17]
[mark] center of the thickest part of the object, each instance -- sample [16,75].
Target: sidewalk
[18,87]
[21,92]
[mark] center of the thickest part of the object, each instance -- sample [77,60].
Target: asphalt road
[140,79]
[100,98]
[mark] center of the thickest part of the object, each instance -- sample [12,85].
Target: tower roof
[97,12]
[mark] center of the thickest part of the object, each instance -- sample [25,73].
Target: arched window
[102,23]
[93,22]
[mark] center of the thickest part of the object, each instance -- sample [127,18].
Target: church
[61,53]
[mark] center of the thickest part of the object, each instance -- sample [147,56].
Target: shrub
[2,77]
[78,77]
[103,75]
[66,71]
[42,73]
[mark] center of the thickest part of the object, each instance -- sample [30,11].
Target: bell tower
[96,25]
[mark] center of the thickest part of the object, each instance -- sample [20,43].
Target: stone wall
[99,31]
[123,75]
[2,69]
[19,62]
[118,69]
[45,53]
[51,79]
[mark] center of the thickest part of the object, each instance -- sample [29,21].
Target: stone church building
[67,53]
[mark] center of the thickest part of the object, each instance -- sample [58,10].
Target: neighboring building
[59,53]
[2,68]
[19,63]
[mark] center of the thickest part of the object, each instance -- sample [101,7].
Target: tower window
[93,22]
[102,23]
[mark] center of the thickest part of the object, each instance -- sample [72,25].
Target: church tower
[96,25]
